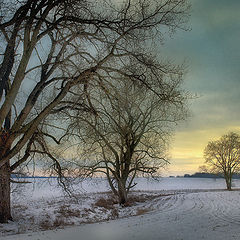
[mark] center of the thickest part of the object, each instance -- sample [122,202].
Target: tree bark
[5,207]
[122,193]
[228,183]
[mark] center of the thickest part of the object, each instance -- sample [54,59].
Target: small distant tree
[223,156]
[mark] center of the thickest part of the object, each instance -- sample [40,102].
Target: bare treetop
[223,156]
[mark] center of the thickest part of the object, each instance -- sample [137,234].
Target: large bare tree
[223,156]
[129,132]
[52,48]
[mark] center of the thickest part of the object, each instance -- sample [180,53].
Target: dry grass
[141,211]
[66,212]
[45,225]
[60,221]
[114,214]
[107,203]
[134,199]
[20,207]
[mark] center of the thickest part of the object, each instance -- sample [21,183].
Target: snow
[171,208]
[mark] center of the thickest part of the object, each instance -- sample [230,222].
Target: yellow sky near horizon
[186,152]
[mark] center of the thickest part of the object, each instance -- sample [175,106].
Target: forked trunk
[5,208]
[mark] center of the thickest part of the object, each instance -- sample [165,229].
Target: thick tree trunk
[5,208]
[122,193]
[228,183]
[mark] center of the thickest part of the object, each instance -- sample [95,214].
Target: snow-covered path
[187,216]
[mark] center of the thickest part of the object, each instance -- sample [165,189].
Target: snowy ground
[174,209]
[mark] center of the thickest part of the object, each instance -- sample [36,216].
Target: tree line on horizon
[209,175]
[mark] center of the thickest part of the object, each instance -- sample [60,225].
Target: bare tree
[52,48]
[223,156]
[129,133]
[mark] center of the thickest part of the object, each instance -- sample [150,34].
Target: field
[172,208]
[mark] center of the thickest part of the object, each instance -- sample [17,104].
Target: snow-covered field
[172,208]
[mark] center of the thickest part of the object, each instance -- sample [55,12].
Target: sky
[211,51]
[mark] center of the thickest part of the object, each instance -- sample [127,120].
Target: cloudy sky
[212,52]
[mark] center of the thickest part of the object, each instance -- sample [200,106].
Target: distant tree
[223,156]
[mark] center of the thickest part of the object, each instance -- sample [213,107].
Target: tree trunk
[122,193]
[228,183]
[5,208]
